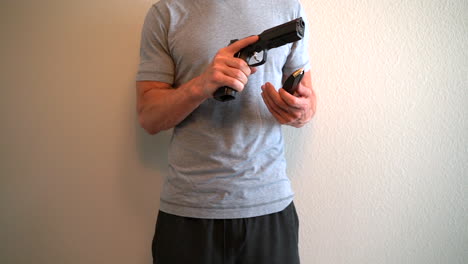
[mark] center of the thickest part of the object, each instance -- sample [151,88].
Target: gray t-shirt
[226,159]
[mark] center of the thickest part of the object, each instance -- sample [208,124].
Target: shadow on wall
[152,153]
[142,180]
[153,149]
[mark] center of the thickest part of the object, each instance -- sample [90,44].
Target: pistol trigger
[255,57]
[264,56]
[258,61]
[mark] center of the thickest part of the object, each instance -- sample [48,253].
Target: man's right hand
[227,70]
[160,107]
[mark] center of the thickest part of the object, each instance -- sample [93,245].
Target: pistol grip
[224,94]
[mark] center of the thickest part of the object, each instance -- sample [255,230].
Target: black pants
[269,239]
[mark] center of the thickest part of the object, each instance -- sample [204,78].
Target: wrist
[194,90]
[197,89]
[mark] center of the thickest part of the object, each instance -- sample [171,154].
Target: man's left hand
[293,110]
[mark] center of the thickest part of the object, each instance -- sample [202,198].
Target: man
[227,198]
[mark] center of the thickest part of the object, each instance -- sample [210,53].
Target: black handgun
[256,54]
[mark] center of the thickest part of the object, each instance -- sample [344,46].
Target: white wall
[380,174]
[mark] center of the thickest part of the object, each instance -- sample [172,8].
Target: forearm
[162,108]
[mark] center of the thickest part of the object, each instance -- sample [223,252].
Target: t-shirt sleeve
[156,63]
[299,54]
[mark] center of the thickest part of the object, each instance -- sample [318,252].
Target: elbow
[148,126]
[152,123]
[151,131]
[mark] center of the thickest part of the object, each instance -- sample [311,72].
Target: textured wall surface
[381,174]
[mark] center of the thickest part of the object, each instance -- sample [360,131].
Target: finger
[240,44]
[271,92]
[233,83]
[221,78]
[236,74]
[290,100]
[272,109]
[287,114]
[303,91]
[239,64]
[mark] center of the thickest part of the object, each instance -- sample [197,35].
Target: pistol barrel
[283,34]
